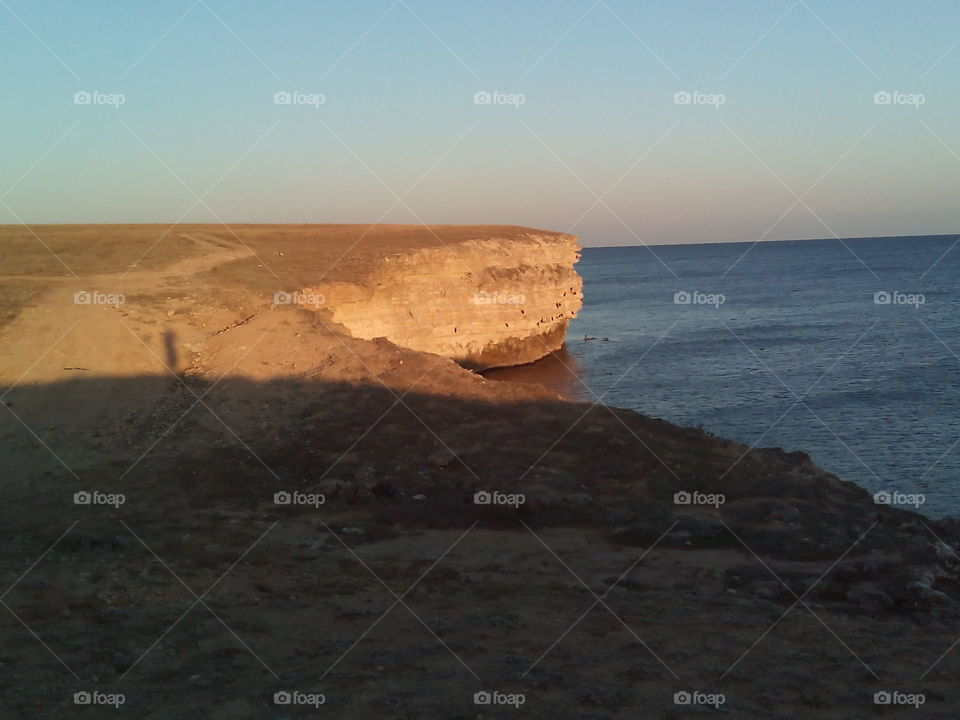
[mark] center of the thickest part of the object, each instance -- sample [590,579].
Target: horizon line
[228,225]
[780,240]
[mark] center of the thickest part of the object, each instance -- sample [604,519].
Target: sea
[846,349]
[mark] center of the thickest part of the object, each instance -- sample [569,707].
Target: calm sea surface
[847,350]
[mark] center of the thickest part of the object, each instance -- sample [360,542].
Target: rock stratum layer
[484,302]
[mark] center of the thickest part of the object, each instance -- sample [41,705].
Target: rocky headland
[485,302]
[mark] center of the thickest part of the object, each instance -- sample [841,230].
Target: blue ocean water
[847,350]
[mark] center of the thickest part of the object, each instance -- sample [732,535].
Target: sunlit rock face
[484,302]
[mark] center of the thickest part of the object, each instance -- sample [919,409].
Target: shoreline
[555,373]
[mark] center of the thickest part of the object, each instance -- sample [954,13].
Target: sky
[623,122]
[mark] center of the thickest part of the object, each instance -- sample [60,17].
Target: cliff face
[485,302]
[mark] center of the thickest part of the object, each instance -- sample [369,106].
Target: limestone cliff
[484,302]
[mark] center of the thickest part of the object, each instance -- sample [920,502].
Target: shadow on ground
[384,585]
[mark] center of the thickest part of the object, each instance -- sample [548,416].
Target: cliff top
[288,253]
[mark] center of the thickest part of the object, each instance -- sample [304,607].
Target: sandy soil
[399,596]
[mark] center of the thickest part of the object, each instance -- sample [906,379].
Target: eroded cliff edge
[484,302]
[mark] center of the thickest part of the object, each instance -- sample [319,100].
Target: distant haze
[709,121]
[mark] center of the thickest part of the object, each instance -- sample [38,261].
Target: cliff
[484,302]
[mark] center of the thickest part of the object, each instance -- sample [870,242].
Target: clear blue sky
[398,78]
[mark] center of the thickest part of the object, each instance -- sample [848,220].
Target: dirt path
[110,335]
[139,324]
